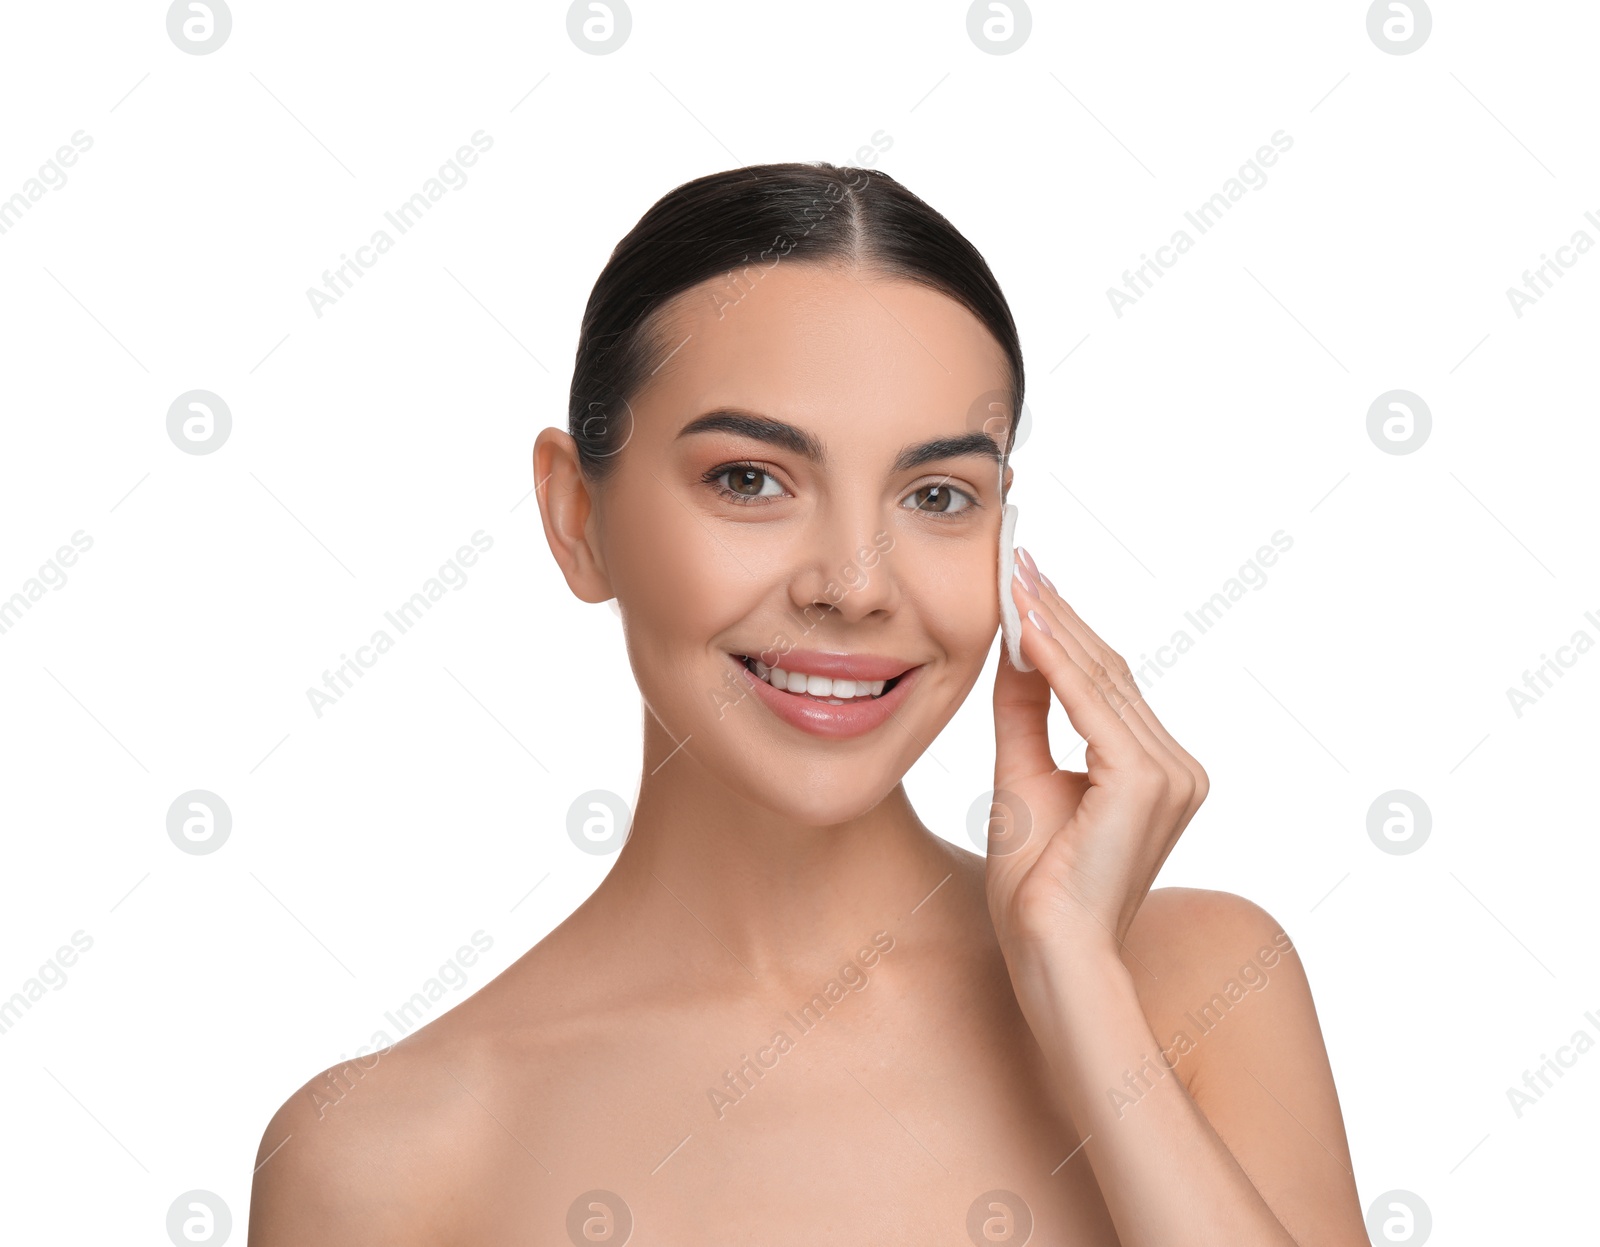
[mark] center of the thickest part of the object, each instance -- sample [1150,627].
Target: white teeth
[821,687]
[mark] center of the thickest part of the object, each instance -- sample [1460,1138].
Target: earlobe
[566,507]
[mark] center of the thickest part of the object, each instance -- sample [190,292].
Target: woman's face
[763,507]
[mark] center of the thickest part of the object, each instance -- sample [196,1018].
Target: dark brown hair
[724,223]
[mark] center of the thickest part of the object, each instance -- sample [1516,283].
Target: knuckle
[1151,777]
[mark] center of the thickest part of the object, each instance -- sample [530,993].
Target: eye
[942,499]
[748,482]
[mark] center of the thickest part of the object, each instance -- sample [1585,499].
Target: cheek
[676,582]
[679,600]
[955,585]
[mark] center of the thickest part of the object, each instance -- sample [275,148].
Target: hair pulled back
[734,224]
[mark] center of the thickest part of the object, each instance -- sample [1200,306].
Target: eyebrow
[798,441]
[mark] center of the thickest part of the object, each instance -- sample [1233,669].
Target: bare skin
[941,1066]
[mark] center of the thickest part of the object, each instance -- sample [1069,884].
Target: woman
[791,1013]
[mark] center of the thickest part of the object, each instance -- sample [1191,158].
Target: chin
[837,794]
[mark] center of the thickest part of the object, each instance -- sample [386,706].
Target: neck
[751,893]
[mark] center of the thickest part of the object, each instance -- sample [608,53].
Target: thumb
[1021,731]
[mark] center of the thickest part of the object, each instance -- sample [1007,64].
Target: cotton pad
[1010,621]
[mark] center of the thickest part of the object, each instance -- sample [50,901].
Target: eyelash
[712,478]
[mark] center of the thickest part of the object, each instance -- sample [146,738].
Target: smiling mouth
[834,692]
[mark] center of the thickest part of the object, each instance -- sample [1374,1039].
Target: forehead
[825,347]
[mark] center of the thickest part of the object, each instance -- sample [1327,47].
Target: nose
[845,562]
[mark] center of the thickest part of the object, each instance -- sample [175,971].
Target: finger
[1109,665]
[1021,733]
[1181,783]
[1088,708]
[1114,663]
[1114,669]
[1186,779]
[1177,796]
[1088,656]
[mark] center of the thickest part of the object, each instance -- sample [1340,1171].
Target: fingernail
[1025,580]
[1039,623]
[1028,559]
[1047,583]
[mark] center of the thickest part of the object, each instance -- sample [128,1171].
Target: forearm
[1167,1178]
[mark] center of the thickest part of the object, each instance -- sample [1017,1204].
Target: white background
[1165,446]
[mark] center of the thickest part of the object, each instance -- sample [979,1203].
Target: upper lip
[837,666]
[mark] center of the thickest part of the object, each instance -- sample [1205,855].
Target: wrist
[1075,1001]
[1047,960]
[1058,943]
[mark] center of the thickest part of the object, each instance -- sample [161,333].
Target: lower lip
[821,718]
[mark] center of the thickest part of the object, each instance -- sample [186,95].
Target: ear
[1005,483]
[566,506]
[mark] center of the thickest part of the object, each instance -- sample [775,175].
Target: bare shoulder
[1227,997]
[370,1151]
[1180,930]
[1196,955]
